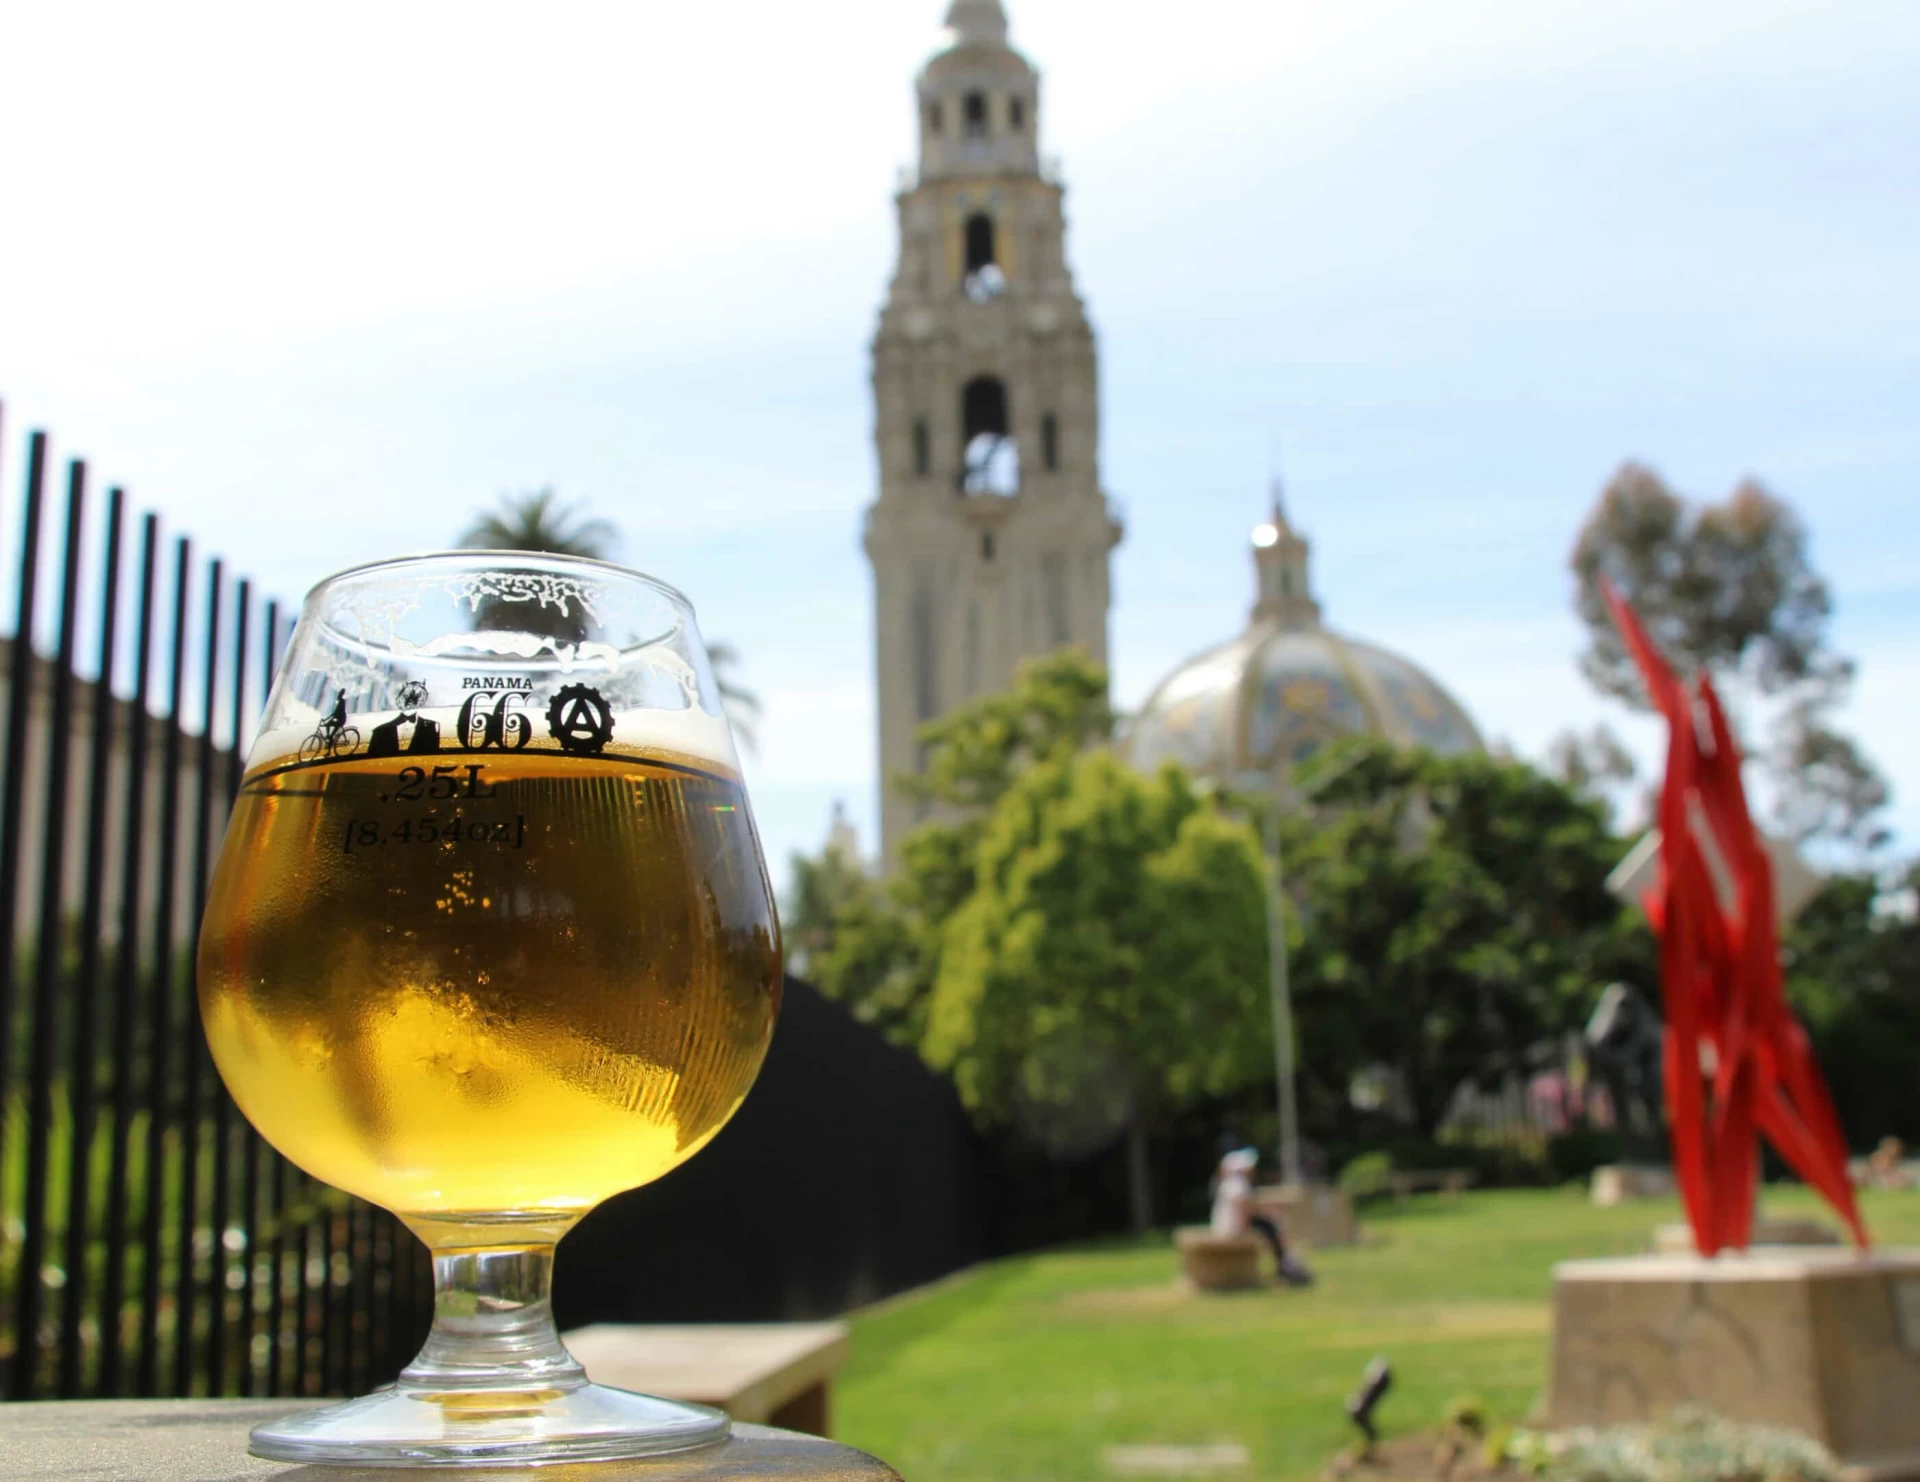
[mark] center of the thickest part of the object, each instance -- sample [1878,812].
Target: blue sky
[317,291]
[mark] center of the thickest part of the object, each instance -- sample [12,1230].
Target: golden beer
[493,982]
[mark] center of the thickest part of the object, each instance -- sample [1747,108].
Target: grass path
[1026,1369]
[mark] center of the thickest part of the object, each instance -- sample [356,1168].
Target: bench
[1615,1183]
[778,1374]
[1218,1263]
[1449,1181]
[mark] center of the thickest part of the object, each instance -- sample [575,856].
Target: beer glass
[490,939]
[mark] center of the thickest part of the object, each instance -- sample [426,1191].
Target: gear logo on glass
[580,720]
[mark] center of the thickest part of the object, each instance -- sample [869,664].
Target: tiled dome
[1287,686]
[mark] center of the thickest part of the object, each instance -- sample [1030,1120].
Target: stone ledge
[1761,1263]
[206,1441]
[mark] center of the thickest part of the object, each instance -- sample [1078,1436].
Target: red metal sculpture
[1738,1064]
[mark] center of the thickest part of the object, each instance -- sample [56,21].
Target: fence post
[82,1069]
[48,953]
[126,975]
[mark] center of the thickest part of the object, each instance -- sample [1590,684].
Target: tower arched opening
[980,253]
[974,110]
[983,408]
[984,278]
[990,461]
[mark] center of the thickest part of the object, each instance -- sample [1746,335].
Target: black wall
[851,1172]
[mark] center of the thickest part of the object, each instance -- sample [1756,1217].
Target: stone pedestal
[1676,1237]
[1311,1215]
[1616,1183]
[1825,1341]
[1218,1263]
[777,1373]
[206,1441]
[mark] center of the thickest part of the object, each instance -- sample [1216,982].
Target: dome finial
[978,22]
[1284,593]
[1276,491]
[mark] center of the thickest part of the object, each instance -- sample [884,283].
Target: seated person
[1234,1214]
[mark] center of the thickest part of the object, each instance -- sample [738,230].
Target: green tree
[1853,972]
[1595,765]
[878,960]
[1058,705]
[882,950]
[848,935]
[1454,914]
[1056,709]
[1730,589]
[820,889]
[741,704]
[1114,942]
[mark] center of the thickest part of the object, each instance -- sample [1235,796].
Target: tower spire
[978,22]
[979,100]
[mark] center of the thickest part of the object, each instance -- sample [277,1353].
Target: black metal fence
[152,1244]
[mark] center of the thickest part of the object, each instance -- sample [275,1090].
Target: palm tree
[537,521]
[741,704]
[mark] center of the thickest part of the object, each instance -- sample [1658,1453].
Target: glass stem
[493,1324]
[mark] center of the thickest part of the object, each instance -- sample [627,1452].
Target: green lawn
[1029,1367]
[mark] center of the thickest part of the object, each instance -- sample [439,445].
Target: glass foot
[408,1426]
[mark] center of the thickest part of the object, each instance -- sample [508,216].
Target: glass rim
[421,558]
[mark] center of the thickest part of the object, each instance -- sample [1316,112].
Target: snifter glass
[490,939]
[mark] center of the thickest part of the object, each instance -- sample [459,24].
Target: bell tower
[990,536]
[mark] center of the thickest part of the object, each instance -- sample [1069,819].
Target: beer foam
[692,733]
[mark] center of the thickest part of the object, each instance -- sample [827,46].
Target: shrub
[1467,1414]
[1685,1447]
[1575,1153]
[1366,1176]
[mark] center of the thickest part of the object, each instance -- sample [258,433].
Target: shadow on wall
[850,1173]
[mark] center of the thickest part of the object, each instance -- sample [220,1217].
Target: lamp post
[1280,791]
[1283,1066]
